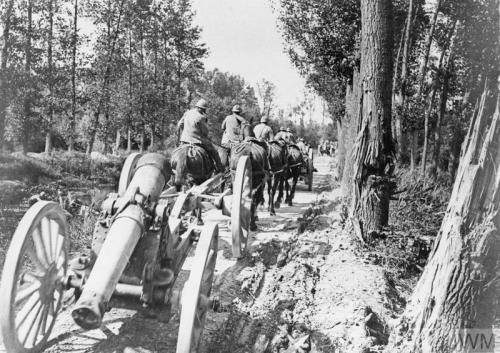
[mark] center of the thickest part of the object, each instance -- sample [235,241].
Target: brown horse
[295,161]
[257,152]
[278,161]
[191,164]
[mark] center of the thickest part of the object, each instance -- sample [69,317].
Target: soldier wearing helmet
[289,137]
[263,131]
[193,129]
[281,135]
[231,126]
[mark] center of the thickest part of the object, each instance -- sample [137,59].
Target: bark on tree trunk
[3,70]
[350,127]
[459,287]
[72,119]
[374,149]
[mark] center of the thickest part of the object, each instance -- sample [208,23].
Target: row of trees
[443,53]
[74,73]
[405,79]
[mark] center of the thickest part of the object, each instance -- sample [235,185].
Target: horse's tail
[181,167]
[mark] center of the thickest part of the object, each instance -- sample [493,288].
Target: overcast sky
[243,39]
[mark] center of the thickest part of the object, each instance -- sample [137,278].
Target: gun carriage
[140,242]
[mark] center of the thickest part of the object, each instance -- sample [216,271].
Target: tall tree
[434,8]
[111,40]
[74,48]
[29,89]
[50,77]
[432,95]
[267,93]
[374,150]
[401,91]
[458,291]
[6,19]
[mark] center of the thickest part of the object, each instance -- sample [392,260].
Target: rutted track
[236,284]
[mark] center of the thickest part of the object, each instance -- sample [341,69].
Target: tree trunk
[413,150]
[340,144]
[400,137]
[105,84]
[458,291]
[27,71]
[427,115]
[350,127]
[428,44]
[432,96]
[3,70]
[118,139]
[437,132]
[130,95]
[423,73]
[129,140]
[50,120]
[72,119]
[442,107]
[374,149]
[143,139]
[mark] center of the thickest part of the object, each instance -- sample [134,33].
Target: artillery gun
[140,241]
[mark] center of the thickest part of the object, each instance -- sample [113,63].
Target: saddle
[257,150]
[199,165]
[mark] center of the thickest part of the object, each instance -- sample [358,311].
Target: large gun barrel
[150,177]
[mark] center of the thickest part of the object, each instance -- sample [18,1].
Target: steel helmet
[236,109]
[202,104]
[282,128]
[264,119]
[288,129]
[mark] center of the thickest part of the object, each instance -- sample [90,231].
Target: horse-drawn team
[274,158]
[327,148]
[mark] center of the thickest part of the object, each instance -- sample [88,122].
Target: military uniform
[194,127]
[263,132]
[282,135]
[232,129]
[290,138]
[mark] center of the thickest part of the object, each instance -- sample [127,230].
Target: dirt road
[244,323]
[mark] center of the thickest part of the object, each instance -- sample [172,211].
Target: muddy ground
[303,287]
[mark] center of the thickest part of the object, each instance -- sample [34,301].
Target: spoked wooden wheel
[310,170]
[240,208]
[127,172]
[196,292]
[33,276]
